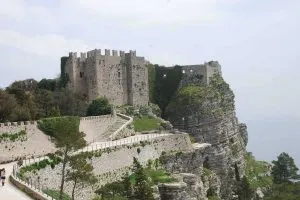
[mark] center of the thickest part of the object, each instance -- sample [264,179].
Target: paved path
[127,140]
[9,191]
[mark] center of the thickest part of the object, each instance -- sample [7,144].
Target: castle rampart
[120,77]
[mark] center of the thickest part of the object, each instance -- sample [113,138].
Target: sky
[256,42]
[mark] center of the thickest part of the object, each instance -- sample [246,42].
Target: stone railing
[130,120]
[35,191]
[96,117]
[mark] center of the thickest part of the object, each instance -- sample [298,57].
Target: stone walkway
[9,191]
[127,140]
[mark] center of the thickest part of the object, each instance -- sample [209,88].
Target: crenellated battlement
[98,53]
[21,123]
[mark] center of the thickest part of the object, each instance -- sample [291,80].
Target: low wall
[113,164]
[38,144]
[123,131]
[33,193]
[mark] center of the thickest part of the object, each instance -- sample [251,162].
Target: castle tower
[121,78]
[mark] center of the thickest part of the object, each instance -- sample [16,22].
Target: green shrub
[55,194]
[99,106]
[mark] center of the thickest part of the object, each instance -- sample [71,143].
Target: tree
[47,84]
[81,172]
[243,189]
[99,106]
[142,188]
[7,104]
[67,137]
[127,186]
[284,168]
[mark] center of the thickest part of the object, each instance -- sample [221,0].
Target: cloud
[49,45]
[150,13]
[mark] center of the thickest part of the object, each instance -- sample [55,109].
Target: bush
[55,194]
[99,106]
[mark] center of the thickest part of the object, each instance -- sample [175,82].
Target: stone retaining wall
[38,144]
[112,166]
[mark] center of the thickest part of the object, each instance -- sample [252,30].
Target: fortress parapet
[120,77]
[98,52]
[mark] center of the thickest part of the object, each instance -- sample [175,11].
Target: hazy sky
[256,42]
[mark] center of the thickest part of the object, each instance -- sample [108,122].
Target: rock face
[208,114]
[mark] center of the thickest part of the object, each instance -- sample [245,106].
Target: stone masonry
[199,74]
[121,77]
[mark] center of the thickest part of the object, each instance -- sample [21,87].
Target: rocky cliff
[207,113]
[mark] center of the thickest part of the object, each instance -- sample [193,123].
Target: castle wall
[199,74]
[34,143]
[113,164]
[213,68]
[138,80]
[193,74]
[122,80]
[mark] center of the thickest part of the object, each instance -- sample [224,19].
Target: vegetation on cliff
[31,100]
[137,185]
[163,84]
[283,171]
[211,101]
[258,172]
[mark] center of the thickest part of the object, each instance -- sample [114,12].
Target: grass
[146,123]
[159,176]
[55,194]
[213,198]
[253,169]
[207,172]
[192,139]
[156,176]
[21,135]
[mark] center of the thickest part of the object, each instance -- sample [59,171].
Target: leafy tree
[142,188]
[99,106]
[20,113]
[81,172]
[45,100]
[71,103]
[284,168]
[7,104]
[127,186]
[47,84]
[54,112]
[67,137]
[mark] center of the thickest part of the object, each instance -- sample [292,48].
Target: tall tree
[67,137]
[81,172]
[284,168]
[142,188]
[7,104]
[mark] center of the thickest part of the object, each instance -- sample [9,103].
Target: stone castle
[120,77]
